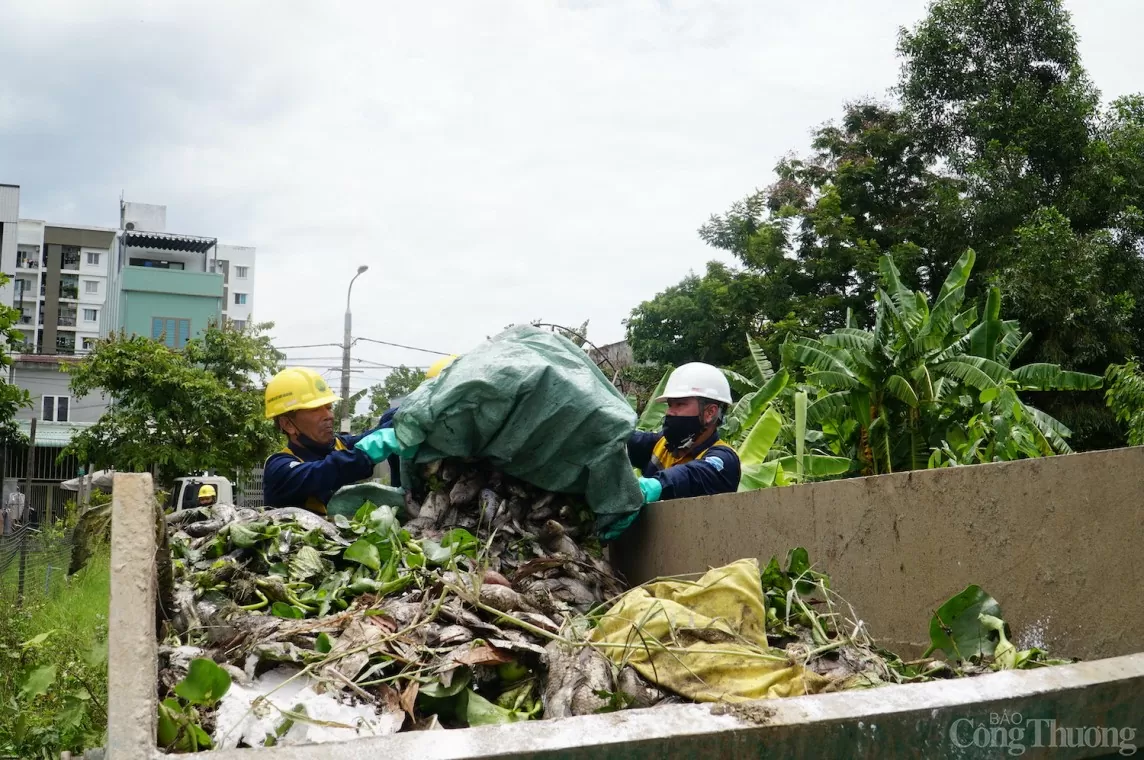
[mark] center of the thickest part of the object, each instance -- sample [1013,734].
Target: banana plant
[928,380]
[766,464]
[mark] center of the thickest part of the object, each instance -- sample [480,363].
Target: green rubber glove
[652,489]
[381,444]
[619,526]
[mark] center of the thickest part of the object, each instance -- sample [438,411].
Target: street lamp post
[346,416]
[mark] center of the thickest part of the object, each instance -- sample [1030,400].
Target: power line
[399,345]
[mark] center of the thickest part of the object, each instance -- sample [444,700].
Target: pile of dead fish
[453,612]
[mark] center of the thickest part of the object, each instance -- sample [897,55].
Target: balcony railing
[70,261]
[25,319]
[63,321]
[27,264]
[72,293]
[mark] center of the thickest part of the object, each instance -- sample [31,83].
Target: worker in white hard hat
[687,458]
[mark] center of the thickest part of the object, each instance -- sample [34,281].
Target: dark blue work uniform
[301,477]
[711,467]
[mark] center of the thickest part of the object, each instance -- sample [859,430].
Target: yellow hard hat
[297,388]
[439,365]
[206,490]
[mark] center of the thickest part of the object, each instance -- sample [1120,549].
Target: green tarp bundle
[536,406]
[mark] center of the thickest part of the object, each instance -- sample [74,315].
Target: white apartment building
[236,262]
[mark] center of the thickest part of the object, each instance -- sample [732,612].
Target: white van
[185,492]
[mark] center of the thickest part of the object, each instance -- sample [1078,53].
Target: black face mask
[680,432]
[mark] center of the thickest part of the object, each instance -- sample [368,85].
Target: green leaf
[976,372]
[306,563]
[653,413]
[170,718]
[817,465]
[205,683]
[461,541]
[383,522]
[956,628]
[747,411]
[435,553]
[365,553]
[759,475]
[481,712]
[740,383]
[833,381]
[761,438]
[814,353]
[804,578]
[288,611]
[1050,377]
[763,369]
[902,390]
[989,394]
[36,640]
[38,682]
[833,407]
[243,536]
[984,337]
[323,645]
[437,690]
[851,339]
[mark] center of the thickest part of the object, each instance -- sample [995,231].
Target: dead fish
[448,635]
[502,598]
[307,520]
[466,489]
[412,508]
[434,507]
[489,504]
[540,515]
[205,528]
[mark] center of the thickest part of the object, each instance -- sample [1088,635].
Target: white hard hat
[697,380]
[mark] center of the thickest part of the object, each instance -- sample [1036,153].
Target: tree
[930,384]
[183,411]
[399,383]
[999,145]
[12,397]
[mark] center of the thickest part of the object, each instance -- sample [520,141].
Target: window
[55,408]
[90,315]
[154,264]
[91,287]
[239,299]
[174,332]
[238,324]
[241,272]
[88,344]
[93,258]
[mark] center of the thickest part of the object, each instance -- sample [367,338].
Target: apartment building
[171,286]
[60,285]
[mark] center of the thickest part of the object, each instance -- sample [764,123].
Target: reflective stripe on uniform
[313,504]
[664,459]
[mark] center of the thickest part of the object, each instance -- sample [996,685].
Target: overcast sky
[492,162]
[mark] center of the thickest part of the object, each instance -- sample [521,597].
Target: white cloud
[492,162]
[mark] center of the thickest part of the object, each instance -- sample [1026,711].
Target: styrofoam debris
[240,719]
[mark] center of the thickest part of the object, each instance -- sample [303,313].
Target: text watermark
[1014,733]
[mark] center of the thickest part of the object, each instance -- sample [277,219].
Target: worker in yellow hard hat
[386,420]
[207,495]
[316,461]
[436,367]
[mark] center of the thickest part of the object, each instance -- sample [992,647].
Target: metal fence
[32,563]
[248,489]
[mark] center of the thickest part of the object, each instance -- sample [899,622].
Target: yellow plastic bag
[705,640]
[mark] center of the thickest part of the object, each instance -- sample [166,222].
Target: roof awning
[52,434]
[166,242]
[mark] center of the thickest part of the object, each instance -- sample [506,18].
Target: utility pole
[344,422]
